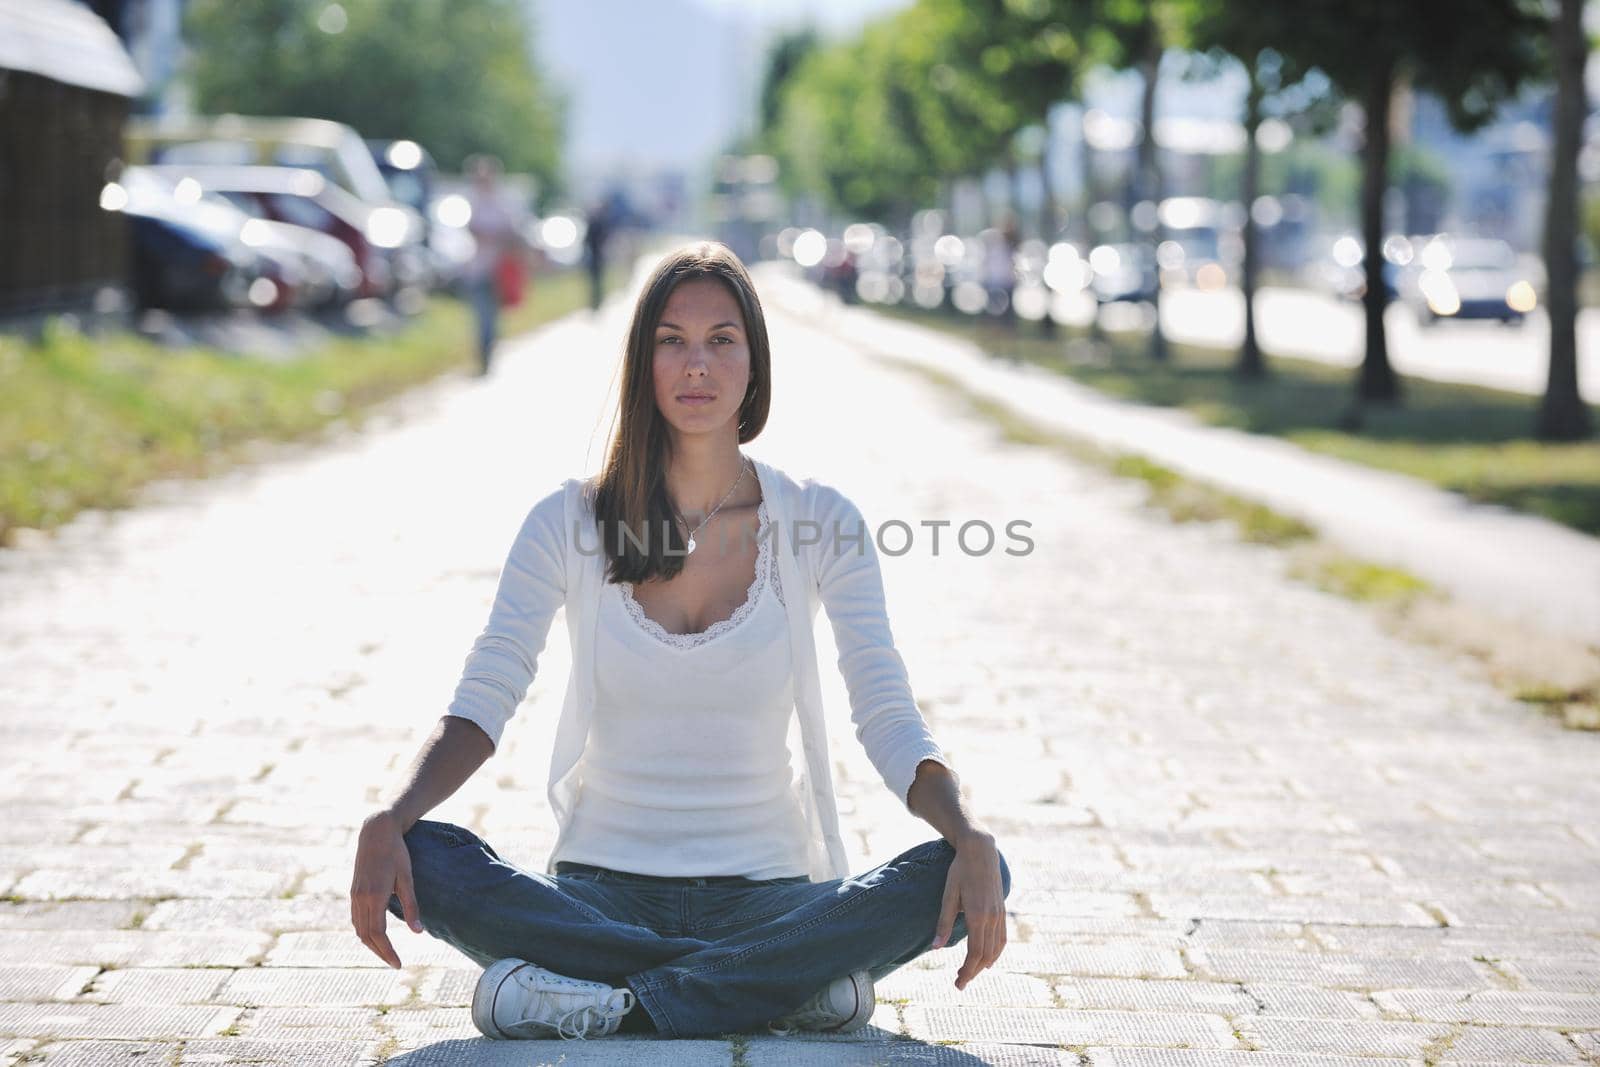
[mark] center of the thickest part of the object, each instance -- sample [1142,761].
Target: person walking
[596,232]
[496,226]
[697,886]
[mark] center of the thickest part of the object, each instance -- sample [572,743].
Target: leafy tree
[457,76]
[1135,34]
[1472,53]
[783,59]
[845,131]
[1277,87]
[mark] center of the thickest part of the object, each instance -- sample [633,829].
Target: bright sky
[666,83]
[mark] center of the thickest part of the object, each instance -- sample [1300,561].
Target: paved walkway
[1245,826]
[1523,568]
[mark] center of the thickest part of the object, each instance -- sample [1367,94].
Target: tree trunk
[1251,365]
[1377,381]
[1149,173]
[1563,416]
[1047,213]
[1090,238]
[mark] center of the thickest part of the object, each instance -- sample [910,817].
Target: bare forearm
[935,797]
[455,749]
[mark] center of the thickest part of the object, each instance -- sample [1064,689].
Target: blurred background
[1174,200]
[1274,323]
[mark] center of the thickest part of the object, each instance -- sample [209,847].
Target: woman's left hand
[973,888]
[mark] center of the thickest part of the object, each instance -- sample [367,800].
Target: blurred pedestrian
[498,263]
[595,234]
[999,267]
[696,885]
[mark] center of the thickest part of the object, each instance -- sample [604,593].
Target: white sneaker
[518,999]
[845,1004]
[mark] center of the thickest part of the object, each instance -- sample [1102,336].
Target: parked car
[333,149]
[1472,278]
[382,239]
[182,259]
[312,269]
[1123,272]
[1199,247]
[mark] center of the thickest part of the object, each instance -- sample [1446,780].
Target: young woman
[696,886]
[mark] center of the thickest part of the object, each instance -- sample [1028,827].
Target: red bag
[510,278]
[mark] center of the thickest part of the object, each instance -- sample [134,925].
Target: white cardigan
[556,560]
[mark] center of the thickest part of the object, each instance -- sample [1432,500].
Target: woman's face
[701,351]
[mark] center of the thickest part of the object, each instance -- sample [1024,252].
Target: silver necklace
[690,547]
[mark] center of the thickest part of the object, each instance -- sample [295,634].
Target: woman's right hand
[383,869]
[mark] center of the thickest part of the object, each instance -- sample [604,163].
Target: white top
[686,772]
[825,555]
[493,226]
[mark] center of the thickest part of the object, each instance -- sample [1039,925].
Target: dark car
[384,240]
[182,259]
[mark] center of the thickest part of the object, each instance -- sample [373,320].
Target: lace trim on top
[766,569]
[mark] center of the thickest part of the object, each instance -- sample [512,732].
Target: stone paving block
[1243,933]
[246,854]
[1588,1044]
[1462,942]
[1364,1038]
[273,913]
[308,1024]
[55,883]
[1504,1045]
[315,987]
[1183,881]
[42,983]
[68,914]
[614,1051]
[1151,1057]
[160,985]
[215,838]
[1342,971]
[319,948]
[112,1020]
[1057,1026]
[106,1054]
[414,1027]
[1285,999]
[1107,960]
[448,986]
[1561,976]
[1503,910]
[781,1052]
[1498,1006]
[130,948]
[37,826]
[1131,994]
[91,857]
[356,1052]
[307,814]
[1042,901]
[1297,909]
[11,1049]
[992,986]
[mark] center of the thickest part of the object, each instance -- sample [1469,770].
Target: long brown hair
[630,493]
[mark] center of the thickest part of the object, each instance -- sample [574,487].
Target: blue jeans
[484,296]
[704,956]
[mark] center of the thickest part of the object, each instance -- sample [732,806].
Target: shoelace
[589,1018]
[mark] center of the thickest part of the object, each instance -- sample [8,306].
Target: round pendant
[690,547]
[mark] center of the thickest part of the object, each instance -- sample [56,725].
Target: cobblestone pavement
[1244,825]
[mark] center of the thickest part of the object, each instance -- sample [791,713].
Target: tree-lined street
[1245,825]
